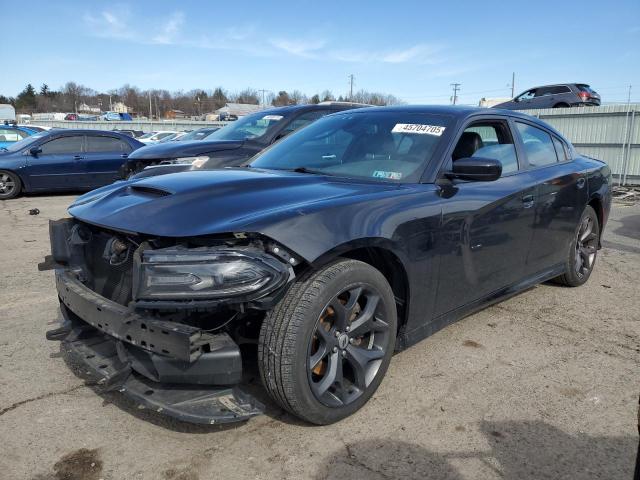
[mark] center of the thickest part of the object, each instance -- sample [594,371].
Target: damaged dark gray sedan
[353,238]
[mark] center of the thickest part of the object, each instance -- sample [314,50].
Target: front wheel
[324,349]
[10,185]
[583,250]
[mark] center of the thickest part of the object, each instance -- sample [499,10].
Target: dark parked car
[231,145]
[355,237]
[63,160]
[199,134]
[554,96]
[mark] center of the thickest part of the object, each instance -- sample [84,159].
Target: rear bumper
[172,368]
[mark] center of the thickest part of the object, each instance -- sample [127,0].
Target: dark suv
[231,145]
[554,96]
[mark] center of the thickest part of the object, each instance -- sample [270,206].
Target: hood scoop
[149,191]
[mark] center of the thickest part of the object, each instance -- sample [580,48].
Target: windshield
[25,142]
[246,128]
[387,146]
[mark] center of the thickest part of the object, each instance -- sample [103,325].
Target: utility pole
[263,91]
[351,87]
[629,95]
[110,104]
[456,88]
[513,85]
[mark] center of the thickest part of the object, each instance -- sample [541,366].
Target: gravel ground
[544,385]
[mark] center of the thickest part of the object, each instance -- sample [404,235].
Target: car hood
[183,149]
[190,204]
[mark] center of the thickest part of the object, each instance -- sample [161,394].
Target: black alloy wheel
[325,348]
[347,347]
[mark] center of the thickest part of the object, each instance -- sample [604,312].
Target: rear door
[561,193]
[104,155]
[487,226]
[58,165]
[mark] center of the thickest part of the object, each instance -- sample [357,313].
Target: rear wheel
[583,250]
[10,185]
[325,348]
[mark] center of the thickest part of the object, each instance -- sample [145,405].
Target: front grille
[110,280]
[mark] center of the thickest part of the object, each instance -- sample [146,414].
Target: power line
[456,88]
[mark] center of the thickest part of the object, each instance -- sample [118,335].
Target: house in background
[175,115]
[232,110]
[120,107]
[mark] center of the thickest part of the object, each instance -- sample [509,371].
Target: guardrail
[144,125]
[610,133]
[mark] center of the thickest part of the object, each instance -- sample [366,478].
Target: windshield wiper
[4,149]
[307,170]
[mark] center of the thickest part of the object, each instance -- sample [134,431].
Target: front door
[486,226]
[57,166]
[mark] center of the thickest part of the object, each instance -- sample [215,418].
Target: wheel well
[14,173]
[596,204]
[392,269]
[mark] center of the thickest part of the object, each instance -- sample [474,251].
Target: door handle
[77,157]
[581,183]
[124,155]
[527,200]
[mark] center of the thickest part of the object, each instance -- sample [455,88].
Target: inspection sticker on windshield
[418,128]
[272,117]
[387,175]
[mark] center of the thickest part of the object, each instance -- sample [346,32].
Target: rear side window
[561,149]
[538,145]
[64,145]
[99,144]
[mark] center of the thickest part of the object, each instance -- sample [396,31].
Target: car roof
[85,131]
[288,109]
[459,112]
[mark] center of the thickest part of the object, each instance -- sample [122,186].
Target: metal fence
[610,133]
[144,125]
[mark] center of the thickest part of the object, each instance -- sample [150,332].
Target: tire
[583,250]
[10,185]
[302,329]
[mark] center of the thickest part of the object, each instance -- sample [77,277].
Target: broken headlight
[206,273]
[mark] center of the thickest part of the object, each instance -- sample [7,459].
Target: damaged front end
[162,320]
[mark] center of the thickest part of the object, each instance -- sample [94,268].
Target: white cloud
[170,30]
[299,47]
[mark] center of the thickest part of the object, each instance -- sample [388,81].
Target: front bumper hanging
[159,365]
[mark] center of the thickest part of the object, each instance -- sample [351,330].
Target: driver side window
[528,95]
[63,145]
[490,140]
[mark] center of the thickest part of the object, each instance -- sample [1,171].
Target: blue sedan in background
[63,160]
[10,134]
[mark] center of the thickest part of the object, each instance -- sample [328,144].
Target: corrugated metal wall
[610,133]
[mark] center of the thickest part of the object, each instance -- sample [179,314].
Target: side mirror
[34,151]
[476,169]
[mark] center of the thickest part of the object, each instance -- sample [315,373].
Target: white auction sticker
[272,117]
[418,128]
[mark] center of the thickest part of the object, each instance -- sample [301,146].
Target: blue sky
[411,49]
